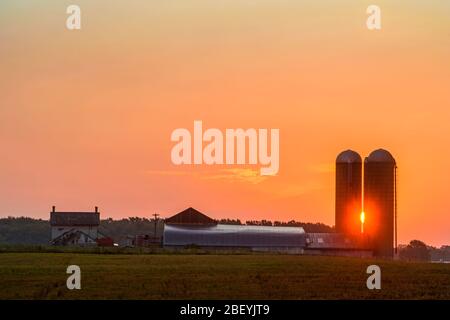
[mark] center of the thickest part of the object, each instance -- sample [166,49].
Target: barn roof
[74,218]
[190,216]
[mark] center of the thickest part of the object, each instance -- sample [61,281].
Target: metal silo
[348,192]
[380,201]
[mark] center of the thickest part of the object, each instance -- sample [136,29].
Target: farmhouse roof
[74,218]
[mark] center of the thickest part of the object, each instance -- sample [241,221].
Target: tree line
[307,226]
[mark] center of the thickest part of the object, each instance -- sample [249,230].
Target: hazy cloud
[229,175]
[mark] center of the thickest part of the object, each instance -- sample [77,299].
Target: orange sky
[86,116]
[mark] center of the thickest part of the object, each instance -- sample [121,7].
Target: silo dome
[380,155]
[348,156]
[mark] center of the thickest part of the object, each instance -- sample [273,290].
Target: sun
[362,217]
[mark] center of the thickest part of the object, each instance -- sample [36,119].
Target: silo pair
[377,200]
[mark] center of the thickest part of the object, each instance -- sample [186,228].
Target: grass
[212,276]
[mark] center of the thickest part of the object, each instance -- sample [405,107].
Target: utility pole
[156,215]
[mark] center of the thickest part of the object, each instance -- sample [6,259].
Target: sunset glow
[86,116]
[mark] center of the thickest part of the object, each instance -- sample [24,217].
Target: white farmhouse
[74,228]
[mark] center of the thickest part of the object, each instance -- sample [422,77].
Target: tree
[415,250]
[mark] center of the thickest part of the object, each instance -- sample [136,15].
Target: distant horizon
[149,217]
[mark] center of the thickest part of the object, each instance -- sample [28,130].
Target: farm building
[337,244]
[76,228]
[257,238]
[193,228]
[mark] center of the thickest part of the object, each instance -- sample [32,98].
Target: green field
[215,276]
